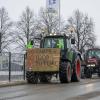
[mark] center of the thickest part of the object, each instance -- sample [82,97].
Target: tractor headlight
[91,65]
[88,65]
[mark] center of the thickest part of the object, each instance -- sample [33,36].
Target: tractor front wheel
[88,73]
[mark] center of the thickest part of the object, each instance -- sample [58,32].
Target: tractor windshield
[94,54]
[54,43]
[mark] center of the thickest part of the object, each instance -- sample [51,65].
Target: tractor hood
[92,60]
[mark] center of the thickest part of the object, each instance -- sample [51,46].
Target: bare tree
[84,30]
[5,30]
[25,28]
[48,22]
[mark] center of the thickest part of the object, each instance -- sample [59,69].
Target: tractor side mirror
[41,43]
[73,41]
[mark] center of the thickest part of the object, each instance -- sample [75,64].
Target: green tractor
[55,57]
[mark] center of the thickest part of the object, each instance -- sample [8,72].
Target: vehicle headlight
[90,65]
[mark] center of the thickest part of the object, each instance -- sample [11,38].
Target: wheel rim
[78,68]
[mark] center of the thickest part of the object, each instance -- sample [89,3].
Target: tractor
[91,62]
[54,58]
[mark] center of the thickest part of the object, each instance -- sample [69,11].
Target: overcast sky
[91,7]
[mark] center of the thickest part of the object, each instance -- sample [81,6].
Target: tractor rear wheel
[77,70]
[65,72]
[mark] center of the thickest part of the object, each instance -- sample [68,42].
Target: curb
[13,83]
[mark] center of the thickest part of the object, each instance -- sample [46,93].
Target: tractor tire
[82,72]
[65,72]
[32,77]
[45,78]
[98,74]
[88,73]
[77,70]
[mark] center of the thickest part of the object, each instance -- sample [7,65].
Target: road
[88,89]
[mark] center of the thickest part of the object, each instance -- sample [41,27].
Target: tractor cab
[62,42]
[57,41]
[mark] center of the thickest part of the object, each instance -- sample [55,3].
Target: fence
[12,66]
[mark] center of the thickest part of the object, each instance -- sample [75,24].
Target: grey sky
[91,7]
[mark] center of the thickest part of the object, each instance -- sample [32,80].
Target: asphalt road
[88,89]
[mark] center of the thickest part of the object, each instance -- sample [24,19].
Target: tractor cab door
[69,50]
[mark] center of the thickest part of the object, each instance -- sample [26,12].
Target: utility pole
[0,42]
[54,7]
[59,17]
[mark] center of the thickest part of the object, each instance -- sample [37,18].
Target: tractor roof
[93,49]
[55,36]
